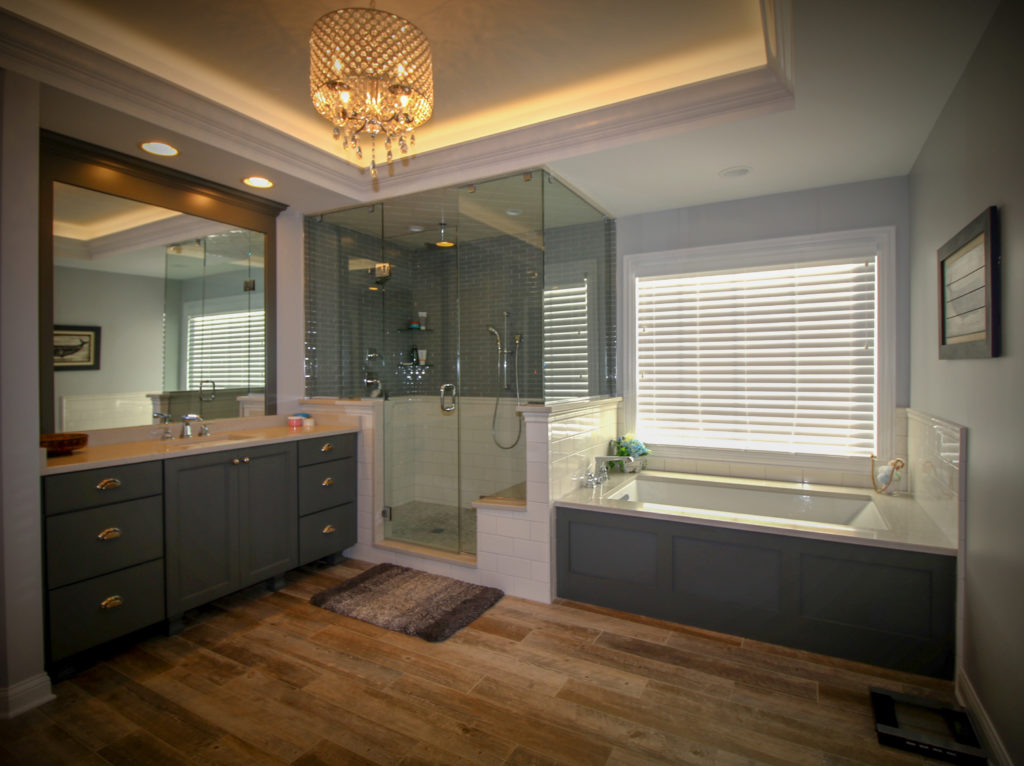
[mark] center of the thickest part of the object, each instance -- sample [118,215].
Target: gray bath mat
[411,602]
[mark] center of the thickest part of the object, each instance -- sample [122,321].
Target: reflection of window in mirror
[149,278]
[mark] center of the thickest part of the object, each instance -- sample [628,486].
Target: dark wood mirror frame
[67,160]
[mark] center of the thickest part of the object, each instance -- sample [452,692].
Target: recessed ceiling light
[736,171]
[513,211]
[259,182]
[158,148]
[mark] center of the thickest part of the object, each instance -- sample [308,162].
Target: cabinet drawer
[95,541]
[327,532]
[79,619]
[326,484]
[326,448]
[99,486]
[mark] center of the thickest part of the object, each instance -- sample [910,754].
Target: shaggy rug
[429,606]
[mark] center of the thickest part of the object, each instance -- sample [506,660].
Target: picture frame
[76,347]
[969,291]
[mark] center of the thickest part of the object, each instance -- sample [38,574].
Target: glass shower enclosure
[457,306]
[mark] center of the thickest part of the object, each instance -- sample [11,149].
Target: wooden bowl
[62,444]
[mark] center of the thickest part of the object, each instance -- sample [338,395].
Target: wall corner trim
[23,696]
[968,697]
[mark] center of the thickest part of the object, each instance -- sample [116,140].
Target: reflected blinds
[778,359]
[566,362]
[228,349]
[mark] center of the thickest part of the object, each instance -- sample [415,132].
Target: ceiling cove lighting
[371,74]
[158,148]
[258,182]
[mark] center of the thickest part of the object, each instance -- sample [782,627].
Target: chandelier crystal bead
[370,72]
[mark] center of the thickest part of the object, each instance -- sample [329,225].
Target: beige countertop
[909,526]
[103,455]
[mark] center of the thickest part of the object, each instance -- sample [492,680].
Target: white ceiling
[226,81]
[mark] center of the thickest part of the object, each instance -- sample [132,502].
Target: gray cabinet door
[201,529]
[268,503]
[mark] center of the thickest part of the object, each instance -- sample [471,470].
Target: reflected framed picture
[969,313]
[76,347]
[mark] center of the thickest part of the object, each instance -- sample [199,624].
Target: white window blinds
[776,358]
[228,349]
[566,362]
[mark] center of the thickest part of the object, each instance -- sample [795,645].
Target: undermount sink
[198,442]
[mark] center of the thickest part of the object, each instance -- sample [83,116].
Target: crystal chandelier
[370,74]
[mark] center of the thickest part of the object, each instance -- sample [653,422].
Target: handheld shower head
[491,329]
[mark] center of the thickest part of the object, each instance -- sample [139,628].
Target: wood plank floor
[266,678]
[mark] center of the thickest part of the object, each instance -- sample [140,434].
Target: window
[764,348]
[226,348]
[566,348]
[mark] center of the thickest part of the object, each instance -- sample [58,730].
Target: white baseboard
[968,697]
[25,695]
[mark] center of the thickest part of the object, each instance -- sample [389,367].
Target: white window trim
[744,255]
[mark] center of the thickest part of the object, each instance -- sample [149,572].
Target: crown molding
[63,63]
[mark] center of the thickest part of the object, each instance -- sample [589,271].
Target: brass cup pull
[328,482]
[110,533]
[329,529]
[111,601]
[106,484]
[327,447]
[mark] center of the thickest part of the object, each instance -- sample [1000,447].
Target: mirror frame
[70,161]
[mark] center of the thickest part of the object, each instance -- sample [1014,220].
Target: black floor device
[926,727]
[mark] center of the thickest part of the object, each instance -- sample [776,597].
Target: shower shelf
[413,329]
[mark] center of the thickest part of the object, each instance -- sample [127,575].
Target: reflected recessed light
[736,171]
[416,228]
[258,182]
[158,148]
[513,211]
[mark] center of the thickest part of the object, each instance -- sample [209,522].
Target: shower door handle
[449,389]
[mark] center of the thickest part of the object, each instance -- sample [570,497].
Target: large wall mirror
[156,293]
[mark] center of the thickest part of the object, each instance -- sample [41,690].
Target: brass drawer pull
[327,447]
[108,484]
[246,460]
[235,461]
[329,529]
[328,482]
[111,601]
[110,533]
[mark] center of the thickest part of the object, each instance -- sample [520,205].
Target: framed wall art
[76,347]
[969,315]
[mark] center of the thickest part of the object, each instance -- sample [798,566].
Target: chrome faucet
[378,386]
[164,419]
[186,426]
[600,473]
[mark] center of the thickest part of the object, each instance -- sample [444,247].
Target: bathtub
[751,504]
[831,570]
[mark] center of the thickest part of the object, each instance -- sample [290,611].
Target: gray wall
[834,208]
[129,312]
[972,159]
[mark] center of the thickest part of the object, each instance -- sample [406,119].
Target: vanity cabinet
[103,556]
[229,522]
[327,496]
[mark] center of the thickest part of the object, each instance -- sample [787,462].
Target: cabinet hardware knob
[105,484]
[329,529]
[327,447]
[110,533]
[245,460]
[235,461]
[111,601]
[328,482]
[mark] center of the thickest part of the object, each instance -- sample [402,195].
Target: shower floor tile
[433,525]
